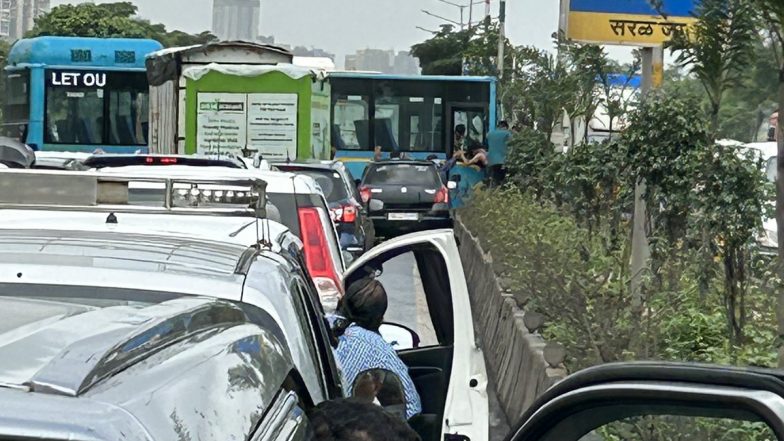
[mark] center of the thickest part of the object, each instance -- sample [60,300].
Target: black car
[405,196]
[355,229]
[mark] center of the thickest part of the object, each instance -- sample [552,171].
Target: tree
[448,52]
[109,20]
[443,53]
[718,49]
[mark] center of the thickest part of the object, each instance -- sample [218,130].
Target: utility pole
[652,77]
[487,8]
[501,38]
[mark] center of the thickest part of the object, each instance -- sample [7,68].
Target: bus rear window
[97,108]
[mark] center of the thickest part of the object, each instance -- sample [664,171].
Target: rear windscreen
[330,182]
[403,174]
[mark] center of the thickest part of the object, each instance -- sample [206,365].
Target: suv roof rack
[110,193]
[94,358]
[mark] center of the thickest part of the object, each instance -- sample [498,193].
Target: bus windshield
[96,108]
[406,114]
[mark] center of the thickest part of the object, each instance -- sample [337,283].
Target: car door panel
[465,409]
[429,368]
[599,400]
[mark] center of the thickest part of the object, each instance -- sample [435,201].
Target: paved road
[407,307]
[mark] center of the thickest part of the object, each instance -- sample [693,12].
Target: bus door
[467,126]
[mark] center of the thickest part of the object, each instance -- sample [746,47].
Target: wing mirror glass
[400,337]
[452,185]
[375,205]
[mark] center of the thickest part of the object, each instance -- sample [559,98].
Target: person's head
[432,157]
[460,130]
[365,304]
[348,419]
[395,155]
[504,125]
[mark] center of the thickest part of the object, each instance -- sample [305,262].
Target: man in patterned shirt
[360,346]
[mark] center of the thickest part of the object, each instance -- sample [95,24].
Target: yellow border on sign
[626,29]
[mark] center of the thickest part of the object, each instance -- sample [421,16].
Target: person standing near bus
[498,145]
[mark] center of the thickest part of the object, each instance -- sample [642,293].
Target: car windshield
[399,174]
[330,181]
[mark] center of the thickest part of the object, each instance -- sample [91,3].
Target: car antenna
[111,219]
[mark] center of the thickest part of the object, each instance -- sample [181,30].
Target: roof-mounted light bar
[115,193]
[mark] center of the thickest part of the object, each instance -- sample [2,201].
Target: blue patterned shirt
[360,350]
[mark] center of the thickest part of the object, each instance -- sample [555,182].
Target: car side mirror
[452,185]
[400,337]
[375,205]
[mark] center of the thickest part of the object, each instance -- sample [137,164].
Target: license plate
[403,216]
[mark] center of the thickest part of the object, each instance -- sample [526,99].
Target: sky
[343,26]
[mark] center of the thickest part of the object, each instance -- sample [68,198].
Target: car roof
[123,260]
[314,164]
[239,231]
[62,155]
[123,160]
[766,149]
[81,371]
[401,162]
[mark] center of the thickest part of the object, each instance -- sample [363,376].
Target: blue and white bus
[415,115]
[78,94]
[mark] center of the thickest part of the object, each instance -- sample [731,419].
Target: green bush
[557,267]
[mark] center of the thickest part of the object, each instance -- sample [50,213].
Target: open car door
[450,376]
[659,401]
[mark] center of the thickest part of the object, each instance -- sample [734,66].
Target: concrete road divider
[515,357]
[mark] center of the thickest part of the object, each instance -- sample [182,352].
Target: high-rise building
[405,64]
[384,61]
[17,17]
[236,19]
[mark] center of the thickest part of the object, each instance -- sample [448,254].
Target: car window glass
[409,174]
[330,182]
[679,427]
[407,303]
[287,207]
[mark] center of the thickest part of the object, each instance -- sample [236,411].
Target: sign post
[631,23]
[625,22]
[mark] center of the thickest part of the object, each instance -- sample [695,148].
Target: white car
[450,374]
[768,153]
[297,200]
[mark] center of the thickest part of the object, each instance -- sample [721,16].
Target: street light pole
[501,38]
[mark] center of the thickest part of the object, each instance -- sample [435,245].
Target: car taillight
[365,194]
[317,255]
[163,160]
[442,196]
[346,214]
[349,214]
